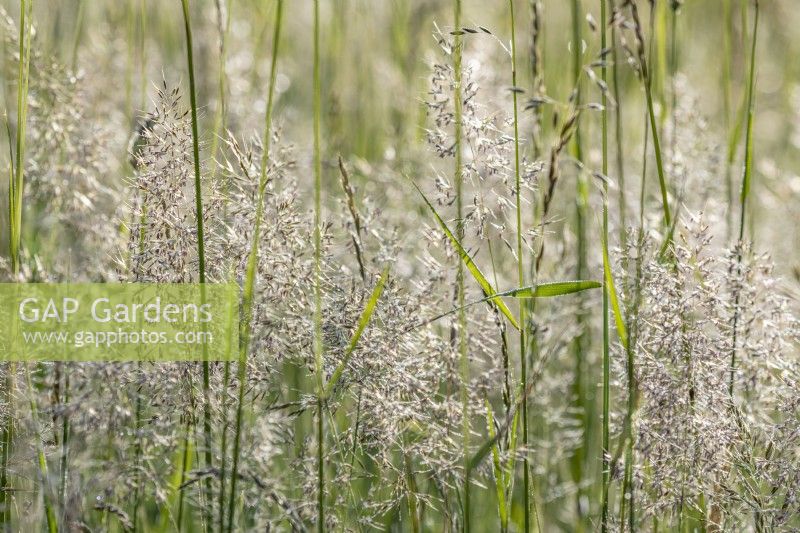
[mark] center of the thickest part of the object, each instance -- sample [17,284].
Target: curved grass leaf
[549,290]
[499,473]
[362,325]
[619,321]
[543,290]
[470,264]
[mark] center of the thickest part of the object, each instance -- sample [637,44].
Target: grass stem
[252,268]
[318,341]
[520,274]
[201,256]
[606,356]
[463,347]
[745,193]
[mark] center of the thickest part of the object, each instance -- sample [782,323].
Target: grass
[376,386]
[747,177]
[582,457]
[606,348]
[201,255]
[250,280]
[520,273]
[318,340]
[458,178]
[648,91]
[15,204]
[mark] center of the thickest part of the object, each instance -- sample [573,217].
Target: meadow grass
[250,282]
[373,386]
[319,346]
[523,356]
[15,204]
[201,261]
[606,348]
[747,176]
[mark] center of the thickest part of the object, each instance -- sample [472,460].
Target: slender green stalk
[318,341]
[78,33]
[16,186]
[130,18]
[223,446]
[219,127]
[143,54]
[220,119]
[250,274]
[727,60]
[582,339]
[201,256]
[627,499]
[198,194]
[646,78]
[15,189]
[65,434]
[623,208]
[520,273]
[142,221]
[137,452]
[462,317]
[537,72]
[746,179]
[186,459]
[606,266]
[673,73]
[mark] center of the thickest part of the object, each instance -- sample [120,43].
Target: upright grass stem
[606,356]
[520,272]
[201,256]
[727,105]
[537,71]
[462,316]
[647,80]
[250,274]
[17,182]
[618,130]
[745,193]
[318,342]
[15,189]
[198,193]
[582,339]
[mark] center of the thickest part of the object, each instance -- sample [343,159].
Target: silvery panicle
[691,439]
[487,146]
[162,227]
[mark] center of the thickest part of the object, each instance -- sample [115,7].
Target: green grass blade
[499,474]
[470,264]
[198,193]
[251,269]
[746,179]
[549,290]
[543,290]
[366,315]
[619,320]
[748,146]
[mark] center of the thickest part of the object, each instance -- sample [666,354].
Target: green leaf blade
[549,290]
[487,288]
